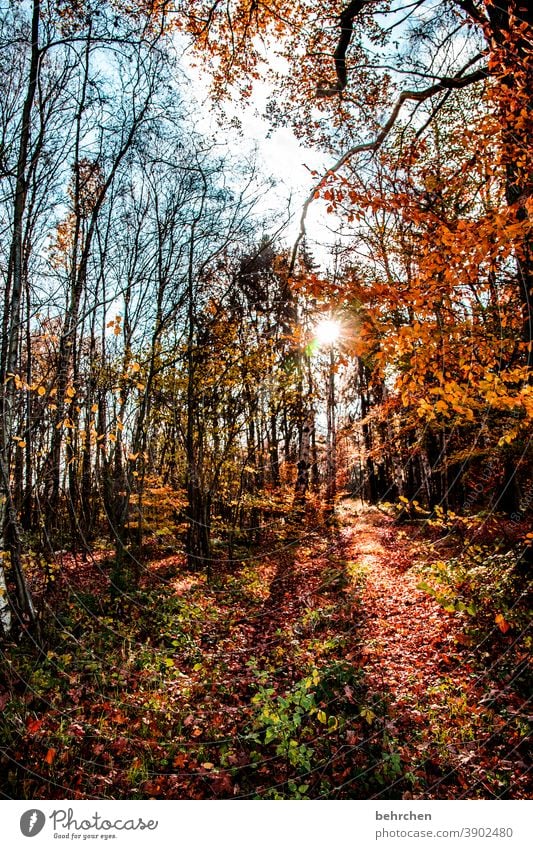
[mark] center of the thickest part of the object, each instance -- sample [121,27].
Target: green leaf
[270,735]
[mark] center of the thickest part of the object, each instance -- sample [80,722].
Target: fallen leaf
[502,624]
[50,755]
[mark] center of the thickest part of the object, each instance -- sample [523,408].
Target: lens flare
[327,331]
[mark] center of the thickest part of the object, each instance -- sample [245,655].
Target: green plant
[290,723]
[482,583]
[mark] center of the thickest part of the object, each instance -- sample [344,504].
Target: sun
[327,331]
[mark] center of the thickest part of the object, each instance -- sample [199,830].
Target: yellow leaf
[367,714]
[41,391]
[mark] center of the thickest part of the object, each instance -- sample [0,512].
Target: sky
[279,154]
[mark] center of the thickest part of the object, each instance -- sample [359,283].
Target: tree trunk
[9,531]
[510,44]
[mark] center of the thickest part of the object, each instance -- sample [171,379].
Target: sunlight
[327,331]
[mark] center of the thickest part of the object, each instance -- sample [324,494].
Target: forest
[265,460]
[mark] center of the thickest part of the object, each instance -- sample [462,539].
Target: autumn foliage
[305,560]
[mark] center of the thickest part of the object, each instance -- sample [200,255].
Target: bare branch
[445,84]
[473,11]
[346,20]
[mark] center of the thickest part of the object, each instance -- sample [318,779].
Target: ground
[437,695]
[314,666]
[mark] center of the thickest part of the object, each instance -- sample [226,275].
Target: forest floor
[438,695]
[323,665]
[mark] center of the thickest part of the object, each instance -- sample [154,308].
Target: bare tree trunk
[9,531]
[199,503]
[305,430]
[304,459]
[331,435]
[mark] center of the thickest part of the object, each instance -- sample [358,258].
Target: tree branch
[346,20]
[443,85]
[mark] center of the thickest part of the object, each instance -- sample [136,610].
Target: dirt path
[360,580]
[402,624]
[412,651]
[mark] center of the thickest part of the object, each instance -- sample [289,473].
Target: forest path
[347,592]
[407,638]
[412,650]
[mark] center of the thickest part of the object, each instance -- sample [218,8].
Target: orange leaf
[50,755]
[502,624]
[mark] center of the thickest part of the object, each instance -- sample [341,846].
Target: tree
[45,87]
[373,48]
[375,80]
